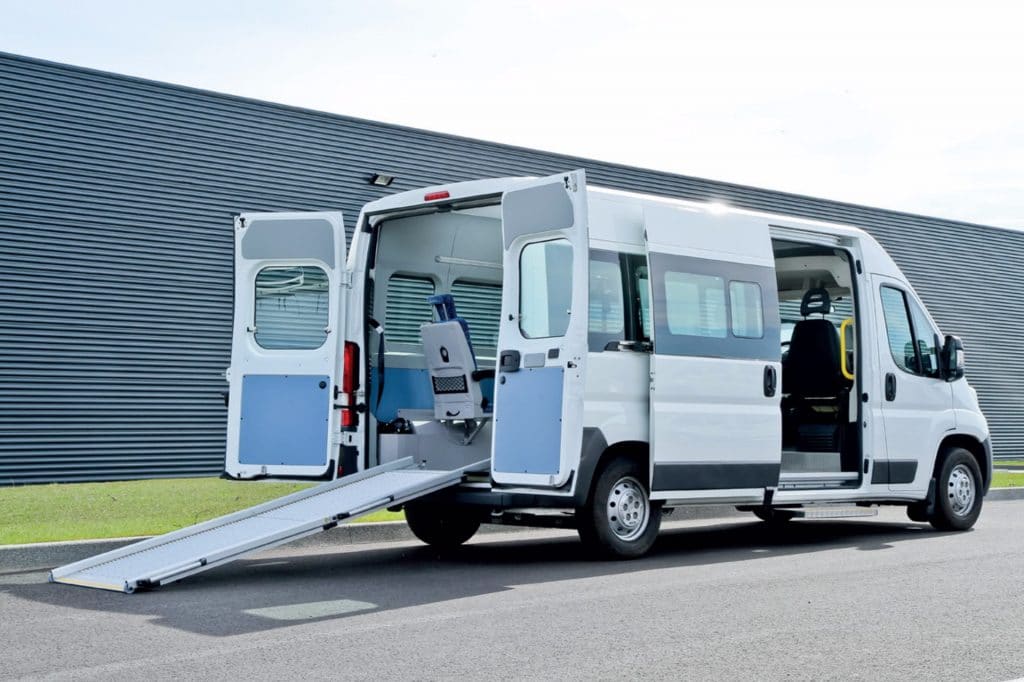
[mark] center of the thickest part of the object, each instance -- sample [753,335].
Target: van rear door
[289,319]
[542,339]
[716,426]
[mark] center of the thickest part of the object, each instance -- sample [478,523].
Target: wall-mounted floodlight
[382,180]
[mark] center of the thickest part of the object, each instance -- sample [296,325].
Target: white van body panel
[616,385]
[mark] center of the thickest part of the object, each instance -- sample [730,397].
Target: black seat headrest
[816,301]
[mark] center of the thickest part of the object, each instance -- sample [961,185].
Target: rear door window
[545,289]
[292,307]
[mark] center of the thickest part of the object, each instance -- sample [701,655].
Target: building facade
[116,249]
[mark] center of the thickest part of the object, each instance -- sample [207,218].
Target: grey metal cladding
[304,238]
[116,204]
[535,209]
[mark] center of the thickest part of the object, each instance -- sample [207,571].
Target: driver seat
[812,368]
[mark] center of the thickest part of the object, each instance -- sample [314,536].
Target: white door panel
[289,310]
[542,339]
[716,371]
[917,408]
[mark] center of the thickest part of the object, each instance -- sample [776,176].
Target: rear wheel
[444,526]
[619,521]
[958,491]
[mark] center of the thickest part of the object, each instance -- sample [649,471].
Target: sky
[912,106]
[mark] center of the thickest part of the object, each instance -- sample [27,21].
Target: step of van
[816,479]
[831,512]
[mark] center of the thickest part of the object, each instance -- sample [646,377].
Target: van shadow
[221,603]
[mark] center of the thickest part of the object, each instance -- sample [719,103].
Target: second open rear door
[542,340]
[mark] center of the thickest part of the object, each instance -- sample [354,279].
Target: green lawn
[76,511]
[1012,462]
[1008,479]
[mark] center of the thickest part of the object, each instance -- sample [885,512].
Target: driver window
[926,335]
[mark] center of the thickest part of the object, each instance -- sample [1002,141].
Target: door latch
[770,381]
[890,387]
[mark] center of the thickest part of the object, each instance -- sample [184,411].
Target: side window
[406,308]
[545,289]
[747,313]
[898,330]
[480,305]
[606,320]
[292,307]
[710,308]
[925,335]
[695,304]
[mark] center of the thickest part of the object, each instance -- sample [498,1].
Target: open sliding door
[716,426]
[542,340]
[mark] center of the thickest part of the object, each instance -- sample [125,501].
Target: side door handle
[890,387]
[770,381]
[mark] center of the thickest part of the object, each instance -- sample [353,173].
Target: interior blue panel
[284,420]
[487,390]
[528,422]
[403,388]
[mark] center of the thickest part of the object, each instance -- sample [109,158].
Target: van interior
[820,438]
[418,259]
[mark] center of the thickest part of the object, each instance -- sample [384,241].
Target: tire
[958,491]
[443,526]
[603,525]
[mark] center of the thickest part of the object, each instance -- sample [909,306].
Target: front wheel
[444,526]
[958,491]
[619,521]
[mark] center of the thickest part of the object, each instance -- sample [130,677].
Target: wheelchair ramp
[164,559]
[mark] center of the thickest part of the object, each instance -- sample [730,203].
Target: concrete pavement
[729,599]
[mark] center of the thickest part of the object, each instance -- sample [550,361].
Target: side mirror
[953,358]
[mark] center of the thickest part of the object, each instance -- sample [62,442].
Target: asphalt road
[858,599]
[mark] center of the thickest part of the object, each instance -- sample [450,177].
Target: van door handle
[770,381]
[890,387]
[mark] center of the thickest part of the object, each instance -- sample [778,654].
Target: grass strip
[80,511]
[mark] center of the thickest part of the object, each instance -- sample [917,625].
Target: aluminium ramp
[166,558]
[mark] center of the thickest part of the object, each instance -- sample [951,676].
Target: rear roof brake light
[434,196]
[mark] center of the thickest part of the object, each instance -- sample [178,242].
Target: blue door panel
[528,421]
[285,419]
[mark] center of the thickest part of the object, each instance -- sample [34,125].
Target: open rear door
[542,340]
[716,426]
[289,320]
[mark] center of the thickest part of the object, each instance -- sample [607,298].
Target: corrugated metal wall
[116,197]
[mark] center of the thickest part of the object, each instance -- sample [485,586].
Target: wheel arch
[597,452]
[982,453]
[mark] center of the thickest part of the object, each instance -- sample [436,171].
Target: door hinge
[346,279]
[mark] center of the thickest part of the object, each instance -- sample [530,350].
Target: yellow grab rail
[842,348]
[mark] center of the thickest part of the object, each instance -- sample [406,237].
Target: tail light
[349,383]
